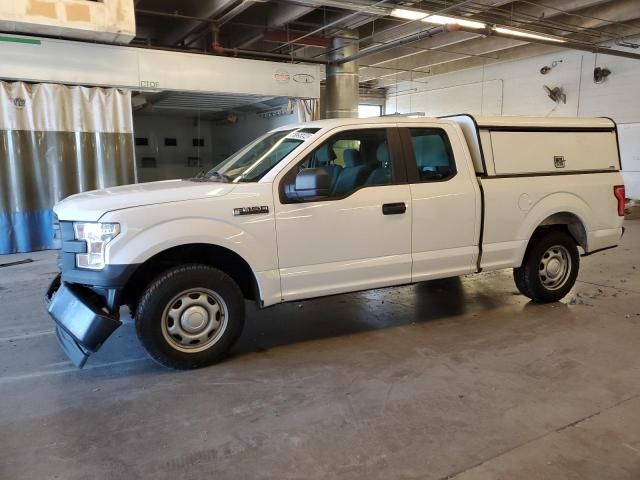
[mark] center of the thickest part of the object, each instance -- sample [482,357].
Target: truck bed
[534,171]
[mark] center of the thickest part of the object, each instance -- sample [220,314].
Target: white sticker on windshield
[299,135]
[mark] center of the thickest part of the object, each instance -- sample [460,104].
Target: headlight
[97,235]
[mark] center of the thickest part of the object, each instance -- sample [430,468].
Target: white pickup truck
[330,207]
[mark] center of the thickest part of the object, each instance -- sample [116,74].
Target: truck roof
[481,121]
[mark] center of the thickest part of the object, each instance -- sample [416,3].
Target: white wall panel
[481,97]
[617,97]
[522,94]
[629,135]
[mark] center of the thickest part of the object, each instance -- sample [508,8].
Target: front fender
[136,245]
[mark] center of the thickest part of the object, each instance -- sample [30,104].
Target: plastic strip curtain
[55,141]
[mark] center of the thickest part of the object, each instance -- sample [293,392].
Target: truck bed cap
[544,122]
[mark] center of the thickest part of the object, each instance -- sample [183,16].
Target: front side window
[432,153]
[252,162]
[347,161]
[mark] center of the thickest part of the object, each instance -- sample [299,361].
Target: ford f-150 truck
[330,207]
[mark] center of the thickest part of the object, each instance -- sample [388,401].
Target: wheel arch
[212,255]
[560,211]
[573,224]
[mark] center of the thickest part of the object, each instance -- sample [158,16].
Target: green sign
[30,41]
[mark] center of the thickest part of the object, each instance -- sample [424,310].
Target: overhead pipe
[564,43]
[270,56]
[215,40]
[238,52]
[489,31]
[415,37]
[209,20]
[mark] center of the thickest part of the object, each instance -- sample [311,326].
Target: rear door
[359,236]
[445,200]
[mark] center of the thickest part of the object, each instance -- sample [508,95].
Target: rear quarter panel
[516,206]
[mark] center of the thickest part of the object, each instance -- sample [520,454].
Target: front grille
[57,236]
[66,260]
[66,231]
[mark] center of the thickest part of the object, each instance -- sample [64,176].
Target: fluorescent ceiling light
[441,20]
[520,33]
[436,19]
[408,14]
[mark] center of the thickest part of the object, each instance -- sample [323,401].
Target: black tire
[166,293]
[530,277]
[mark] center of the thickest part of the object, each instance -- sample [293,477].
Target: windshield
[252,162]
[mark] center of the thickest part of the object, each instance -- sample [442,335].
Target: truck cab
[330,207]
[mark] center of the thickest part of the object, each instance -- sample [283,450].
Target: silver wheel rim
[194,320]
[554,267]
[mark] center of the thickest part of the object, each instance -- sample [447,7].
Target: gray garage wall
[56,141]
[157,161]
[516,88]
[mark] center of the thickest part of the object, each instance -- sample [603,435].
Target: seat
[352,175]
[324,158]
[381,175]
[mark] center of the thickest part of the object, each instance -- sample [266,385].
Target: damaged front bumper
[83,323]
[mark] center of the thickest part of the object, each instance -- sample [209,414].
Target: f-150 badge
[250,210]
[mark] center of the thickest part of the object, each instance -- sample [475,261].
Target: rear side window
[433,155]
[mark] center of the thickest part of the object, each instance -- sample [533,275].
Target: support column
[342,94]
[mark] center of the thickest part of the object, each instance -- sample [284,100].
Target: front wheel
[190,316]
[550,267]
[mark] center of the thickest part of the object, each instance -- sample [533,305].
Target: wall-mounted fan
[556,94]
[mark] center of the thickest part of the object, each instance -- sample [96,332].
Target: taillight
[618,192]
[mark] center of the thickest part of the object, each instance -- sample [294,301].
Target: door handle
[394,208]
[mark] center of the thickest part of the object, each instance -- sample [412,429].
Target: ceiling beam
[205,10]
[387,35]
[444,43]
[416,63]
[282,15]
[513,54]
[280,36]
[424,61]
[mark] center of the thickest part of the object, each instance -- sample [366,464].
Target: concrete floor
[461,378]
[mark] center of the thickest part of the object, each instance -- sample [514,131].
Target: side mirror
[310,183]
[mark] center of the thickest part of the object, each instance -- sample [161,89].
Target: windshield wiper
[203,176]
[223,178]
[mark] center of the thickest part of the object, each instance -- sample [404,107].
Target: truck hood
[90,206]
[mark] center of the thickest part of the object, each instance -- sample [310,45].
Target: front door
[358,235]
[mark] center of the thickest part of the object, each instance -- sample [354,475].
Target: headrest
[382,154]
[351,157]
[324,154]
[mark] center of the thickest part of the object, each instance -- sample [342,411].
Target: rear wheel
[550,267]
[190,316]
